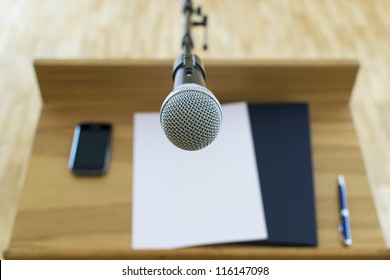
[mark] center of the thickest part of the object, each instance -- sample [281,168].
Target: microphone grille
[191,117]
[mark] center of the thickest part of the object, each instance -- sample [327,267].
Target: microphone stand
[188,67]
[188,10]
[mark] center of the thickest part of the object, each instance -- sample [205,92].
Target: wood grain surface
[250,29]
[139,82]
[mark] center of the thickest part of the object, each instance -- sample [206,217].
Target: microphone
[190,116]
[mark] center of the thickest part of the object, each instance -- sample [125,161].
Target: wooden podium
[62,216]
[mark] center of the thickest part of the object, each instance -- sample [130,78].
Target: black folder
[281,134]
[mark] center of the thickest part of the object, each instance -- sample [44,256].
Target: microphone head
[191,117]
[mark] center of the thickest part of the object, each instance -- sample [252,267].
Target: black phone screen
[90,148]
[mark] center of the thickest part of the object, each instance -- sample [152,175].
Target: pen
[345,225]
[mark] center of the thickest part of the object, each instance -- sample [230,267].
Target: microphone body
[188,68]
[190,116]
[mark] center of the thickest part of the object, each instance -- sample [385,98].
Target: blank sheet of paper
[189,198]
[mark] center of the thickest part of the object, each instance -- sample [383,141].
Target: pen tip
[348,242]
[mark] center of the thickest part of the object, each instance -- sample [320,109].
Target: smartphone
[90,152]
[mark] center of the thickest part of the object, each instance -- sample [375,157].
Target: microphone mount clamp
[189,10]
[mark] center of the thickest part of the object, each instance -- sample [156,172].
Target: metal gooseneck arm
[188,67]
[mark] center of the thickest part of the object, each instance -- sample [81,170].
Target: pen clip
[341,232]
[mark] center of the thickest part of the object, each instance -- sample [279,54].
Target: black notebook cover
[283,151]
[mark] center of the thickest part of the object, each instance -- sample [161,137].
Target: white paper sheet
[183,198]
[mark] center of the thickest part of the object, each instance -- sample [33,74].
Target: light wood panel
[83,82]
[65,216]
[291,29]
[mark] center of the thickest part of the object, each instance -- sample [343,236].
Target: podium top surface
[62,216]
[147,82]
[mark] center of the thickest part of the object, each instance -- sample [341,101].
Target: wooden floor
[261,29]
